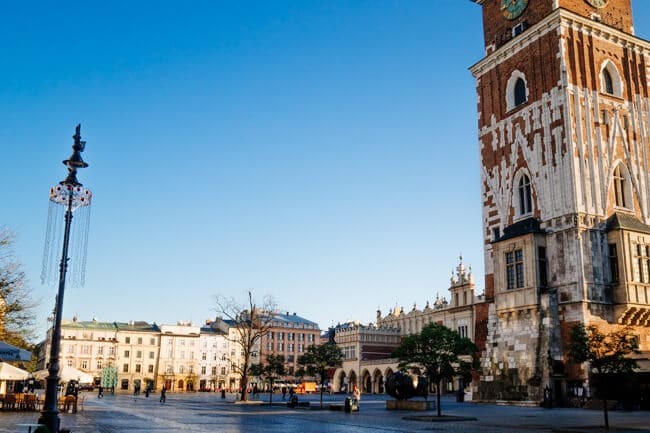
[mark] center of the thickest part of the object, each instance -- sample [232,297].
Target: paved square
[206,412]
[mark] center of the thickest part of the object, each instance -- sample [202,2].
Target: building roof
[91,324]
[137,326]
[623,221]
[294,319]
[523,227]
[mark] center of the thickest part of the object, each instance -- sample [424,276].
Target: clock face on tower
[597,3]
[511,9]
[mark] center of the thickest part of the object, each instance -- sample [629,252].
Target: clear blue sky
[322,152]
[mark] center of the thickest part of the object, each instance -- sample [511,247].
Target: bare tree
[249,322]
[16,308]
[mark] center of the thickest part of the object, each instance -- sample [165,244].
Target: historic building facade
[367,349]
[220,356]
[289,335]
[564,141]
[89,346]
[137,355]
[179,345]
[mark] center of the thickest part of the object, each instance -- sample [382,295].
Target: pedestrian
[356,396]
[163,395]
[256,392]
[100,392]
[284,393]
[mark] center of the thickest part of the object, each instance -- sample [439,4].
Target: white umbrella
[66,374]
[9,372]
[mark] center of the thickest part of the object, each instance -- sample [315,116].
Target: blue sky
[322,152]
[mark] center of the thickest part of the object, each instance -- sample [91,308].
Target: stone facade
[564,139]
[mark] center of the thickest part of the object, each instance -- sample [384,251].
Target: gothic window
[520,92]
[610,80]
[515,269]
[621,194]
[608,84]
[516,90]
[524,196]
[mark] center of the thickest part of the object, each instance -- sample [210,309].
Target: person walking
[284,393]
[163,395]
[256,392]
[100,392]
[356,396]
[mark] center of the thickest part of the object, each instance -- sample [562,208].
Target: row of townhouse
[141,355]
[181,357]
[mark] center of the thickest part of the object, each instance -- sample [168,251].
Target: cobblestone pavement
[206,412]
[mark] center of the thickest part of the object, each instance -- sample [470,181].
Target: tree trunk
[606,414]
[438,398]
[271,394]
[244,385]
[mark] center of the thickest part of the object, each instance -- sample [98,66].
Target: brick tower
[564,140]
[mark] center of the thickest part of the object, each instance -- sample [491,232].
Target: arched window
[610,80]
[516,90]
[620,188]
[520,92]
[607,82]
[524,195]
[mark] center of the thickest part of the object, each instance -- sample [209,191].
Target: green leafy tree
[437,351]
[318,360]
[270,371]
[605,353]
[16,308]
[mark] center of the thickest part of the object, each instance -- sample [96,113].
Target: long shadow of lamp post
[71,194]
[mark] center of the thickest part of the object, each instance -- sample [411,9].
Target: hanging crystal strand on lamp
[81,200]
[71,196]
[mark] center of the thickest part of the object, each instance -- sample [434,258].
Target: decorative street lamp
[70,194]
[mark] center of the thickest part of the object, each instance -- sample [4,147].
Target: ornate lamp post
[71,194]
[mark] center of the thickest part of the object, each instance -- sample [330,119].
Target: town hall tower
[564,142]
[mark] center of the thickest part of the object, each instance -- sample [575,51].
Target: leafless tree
[249,322]
[16,308]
